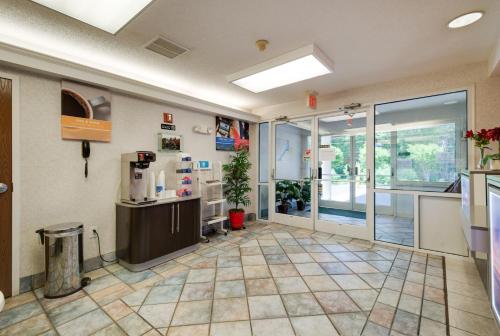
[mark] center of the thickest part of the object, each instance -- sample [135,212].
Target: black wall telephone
[86,154]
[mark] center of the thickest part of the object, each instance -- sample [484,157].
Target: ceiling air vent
[162,46]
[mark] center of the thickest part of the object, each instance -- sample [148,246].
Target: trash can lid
[63,228]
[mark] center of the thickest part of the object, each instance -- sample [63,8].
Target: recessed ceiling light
[296,66]
[465,20]
[451,102]
[108,15]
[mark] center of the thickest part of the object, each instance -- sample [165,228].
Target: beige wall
[484,106]
[487,94]
[53,187]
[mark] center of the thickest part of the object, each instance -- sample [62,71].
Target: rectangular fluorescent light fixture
[108,15]
[296,66]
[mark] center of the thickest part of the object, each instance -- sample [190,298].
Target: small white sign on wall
[326,154]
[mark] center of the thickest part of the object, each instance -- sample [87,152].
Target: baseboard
[32,282]
[35,281]
[482,267]
[158,261]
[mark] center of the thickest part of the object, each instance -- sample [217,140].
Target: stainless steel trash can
[63,259]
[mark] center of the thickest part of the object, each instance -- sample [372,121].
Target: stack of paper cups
[152,185]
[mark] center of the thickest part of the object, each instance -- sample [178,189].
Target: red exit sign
[168,118]
[312,101]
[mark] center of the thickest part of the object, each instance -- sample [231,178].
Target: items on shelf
[169,177]
[184,171]
[203,165]
[184,192]
[152,185]
[210,189]
[184,157]
[158,186]
[186,180]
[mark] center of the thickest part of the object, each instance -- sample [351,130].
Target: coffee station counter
[153,233]
[161,201]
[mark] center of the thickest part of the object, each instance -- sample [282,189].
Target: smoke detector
[261,44]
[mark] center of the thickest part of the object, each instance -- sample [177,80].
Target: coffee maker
[134,177]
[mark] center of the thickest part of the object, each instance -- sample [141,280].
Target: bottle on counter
[160,185]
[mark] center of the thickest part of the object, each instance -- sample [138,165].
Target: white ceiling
[368,41]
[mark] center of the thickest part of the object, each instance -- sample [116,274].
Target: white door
[292,165]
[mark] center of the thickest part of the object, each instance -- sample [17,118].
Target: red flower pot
[236,218]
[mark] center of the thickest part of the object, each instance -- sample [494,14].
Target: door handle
[3,188]
[368,176]
[173,218]
[319,174]
[178,216]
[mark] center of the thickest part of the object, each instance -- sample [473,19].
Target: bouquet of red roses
[494,135]
[481,139]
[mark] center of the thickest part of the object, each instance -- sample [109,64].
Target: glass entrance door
[291,173]
[342,175]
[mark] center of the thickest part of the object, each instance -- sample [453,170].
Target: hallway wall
[53,188]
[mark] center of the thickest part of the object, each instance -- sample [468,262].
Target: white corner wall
[53,187]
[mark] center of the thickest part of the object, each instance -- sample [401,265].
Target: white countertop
[160,201]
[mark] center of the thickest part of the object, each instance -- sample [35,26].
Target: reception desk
[475,217]
[493,202]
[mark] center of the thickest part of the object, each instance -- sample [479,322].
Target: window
[426,154]
[394,220]
[419,142]
[264,146]
[263,152]
[263,201]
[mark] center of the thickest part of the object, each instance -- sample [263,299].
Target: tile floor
[269,280]
[393,229]
[342,219]
[390,229]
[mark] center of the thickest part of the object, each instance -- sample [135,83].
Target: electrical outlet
[91,233]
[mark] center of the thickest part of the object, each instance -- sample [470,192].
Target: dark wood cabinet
[161,233]
[154,233]
[188,223]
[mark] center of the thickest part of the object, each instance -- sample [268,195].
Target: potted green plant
[237,186]
[304,194]
[286,191]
